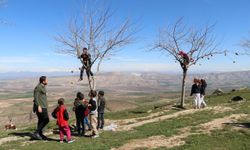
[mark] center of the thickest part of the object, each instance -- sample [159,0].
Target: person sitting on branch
[185,57]
[86,61]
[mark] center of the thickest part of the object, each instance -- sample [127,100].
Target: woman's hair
[196,80]
[61,101]
[203,82]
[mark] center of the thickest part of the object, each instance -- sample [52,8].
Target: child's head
[80,96]
[85,50]
[203,81]
[61,101]
[101,93]
[196,81]
[92,93]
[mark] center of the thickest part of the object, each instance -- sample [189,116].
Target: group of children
[85,111]
[198,91]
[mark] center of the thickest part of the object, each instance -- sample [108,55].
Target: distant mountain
[144,81]
[19,75]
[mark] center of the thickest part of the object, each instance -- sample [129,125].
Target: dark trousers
[100,120]
[43,120]
[80,125]
[88,72]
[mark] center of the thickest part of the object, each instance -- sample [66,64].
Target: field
[143,107]
[222,125]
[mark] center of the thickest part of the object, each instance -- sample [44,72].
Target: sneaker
[70,141]
[79,80]
[44,137]
[37,136]
[61,141]
[95,136]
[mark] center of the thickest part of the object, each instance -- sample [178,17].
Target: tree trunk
[183,87]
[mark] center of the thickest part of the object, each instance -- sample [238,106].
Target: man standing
[41,107]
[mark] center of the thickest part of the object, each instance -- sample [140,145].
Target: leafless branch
[197,44]
[93,31]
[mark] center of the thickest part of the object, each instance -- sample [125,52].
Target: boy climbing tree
[86,62]
[96,30]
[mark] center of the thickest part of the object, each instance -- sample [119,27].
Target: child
[93,113]
[203,92]
[101,106]
[61,114]
[86,114]
[79,108]
[86,60]
[196,92]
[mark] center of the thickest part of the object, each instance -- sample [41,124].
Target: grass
[219,139]
[16,96]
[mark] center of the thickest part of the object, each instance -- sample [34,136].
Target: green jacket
[40,97]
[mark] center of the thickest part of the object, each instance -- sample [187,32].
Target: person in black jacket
[87,64]
[79,108]
[93,113]
[196,89]
[101,107]
[203,92]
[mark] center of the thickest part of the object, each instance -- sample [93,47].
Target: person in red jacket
[61,114]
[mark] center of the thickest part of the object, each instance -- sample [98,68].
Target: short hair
[203,81]
[80,95]
[92,93]
[61,101]
[101,93]
[42,79]
[84,48]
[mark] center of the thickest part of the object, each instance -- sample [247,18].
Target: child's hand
[40,110]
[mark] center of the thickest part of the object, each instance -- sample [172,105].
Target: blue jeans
[86,121]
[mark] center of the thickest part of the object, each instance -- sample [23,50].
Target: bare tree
[95,30]
[187,46]
[245,43]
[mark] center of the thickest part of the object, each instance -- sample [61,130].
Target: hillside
[222,125]
[124,90]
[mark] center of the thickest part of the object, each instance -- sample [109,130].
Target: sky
[28,29]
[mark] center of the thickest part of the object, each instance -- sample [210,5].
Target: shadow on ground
[241,125]
[31,136]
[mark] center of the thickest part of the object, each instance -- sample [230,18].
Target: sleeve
[53,114]
[93,105]
[66,115]
[104,102]
[36,96]
[192,90]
